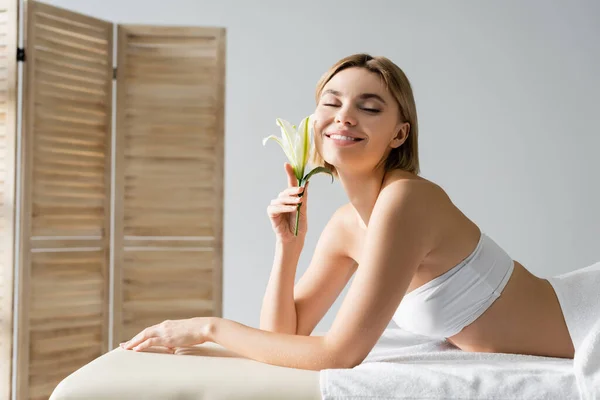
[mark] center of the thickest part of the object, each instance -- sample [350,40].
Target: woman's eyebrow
[333,92]
[363,96]
[366,96]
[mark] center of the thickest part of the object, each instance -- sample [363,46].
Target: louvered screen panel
[8,110]
[169,175]
[63,321]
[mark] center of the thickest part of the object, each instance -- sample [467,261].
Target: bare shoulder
[413,191]
[424,206]
[397,191]
[344,215]
[418,197]
[343,235]
[343,222]
[412,207]
[337,236]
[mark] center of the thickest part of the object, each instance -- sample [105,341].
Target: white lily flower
[297,145]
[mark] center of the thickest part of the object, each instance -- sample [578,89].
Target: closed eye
[372,110]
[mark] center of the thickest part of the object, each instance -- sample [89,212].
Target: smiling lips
[344,136]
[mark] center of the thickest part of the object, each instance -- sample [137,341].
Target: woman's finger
[154,341]
[160,349]
[304,194]
[140,337]
[303,201]
[286,200]
[291,177]
[280,209]
[305,188]
[292,191]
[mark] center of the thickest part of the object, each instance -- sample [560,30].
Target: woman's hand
[282,210]
[173,333]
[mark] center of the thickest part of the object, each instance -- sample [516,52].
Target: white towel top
[443,306]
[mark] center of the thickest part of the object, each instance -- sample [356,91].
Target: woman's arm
[297,309]
[278,312]
[282,349]
[401,231]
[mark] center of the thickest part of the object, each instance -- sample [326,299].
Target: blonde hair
[406,156]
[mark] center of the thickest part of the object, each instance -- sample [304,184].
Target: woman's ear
[401,136]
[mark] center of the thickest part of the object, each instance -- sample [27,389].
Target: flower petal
[285,148]
[303,152]
[298,152]
[288,133]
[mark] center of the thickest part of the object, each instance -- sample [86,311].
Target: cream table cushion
[207,371]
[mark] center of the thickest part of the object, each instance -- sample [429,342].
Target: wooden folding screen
[168,187]
[65,219]
[168,175]
[8,112]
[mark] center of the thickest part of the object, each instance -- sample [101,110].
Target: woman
[418,259]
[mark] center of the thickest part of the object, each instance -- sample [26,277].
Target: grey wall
[507,96]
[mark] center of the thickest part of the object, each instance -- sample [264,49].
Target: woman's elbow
[345,358]
[343,362]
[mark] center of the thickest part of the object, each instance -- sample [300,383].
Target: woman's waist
[524,304]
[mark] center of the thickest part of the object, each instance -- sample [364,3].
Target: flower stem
[298,210]
[297,219]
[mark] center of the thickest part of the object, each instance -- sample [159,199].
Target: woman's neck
[362,190]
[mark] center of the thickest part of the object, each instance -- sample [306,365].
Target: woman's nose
[345,118]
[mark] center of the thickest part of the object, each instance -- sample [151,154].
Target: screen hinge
[20,54]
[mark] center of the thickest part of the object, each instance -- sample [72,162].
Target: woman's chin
[340,163]
[336,159]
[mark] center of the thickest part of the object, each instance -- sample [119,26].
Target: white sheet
[579,296]
[406,366]
[587,365]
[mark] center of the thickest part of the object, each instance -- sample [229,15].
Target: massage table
[203,372]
